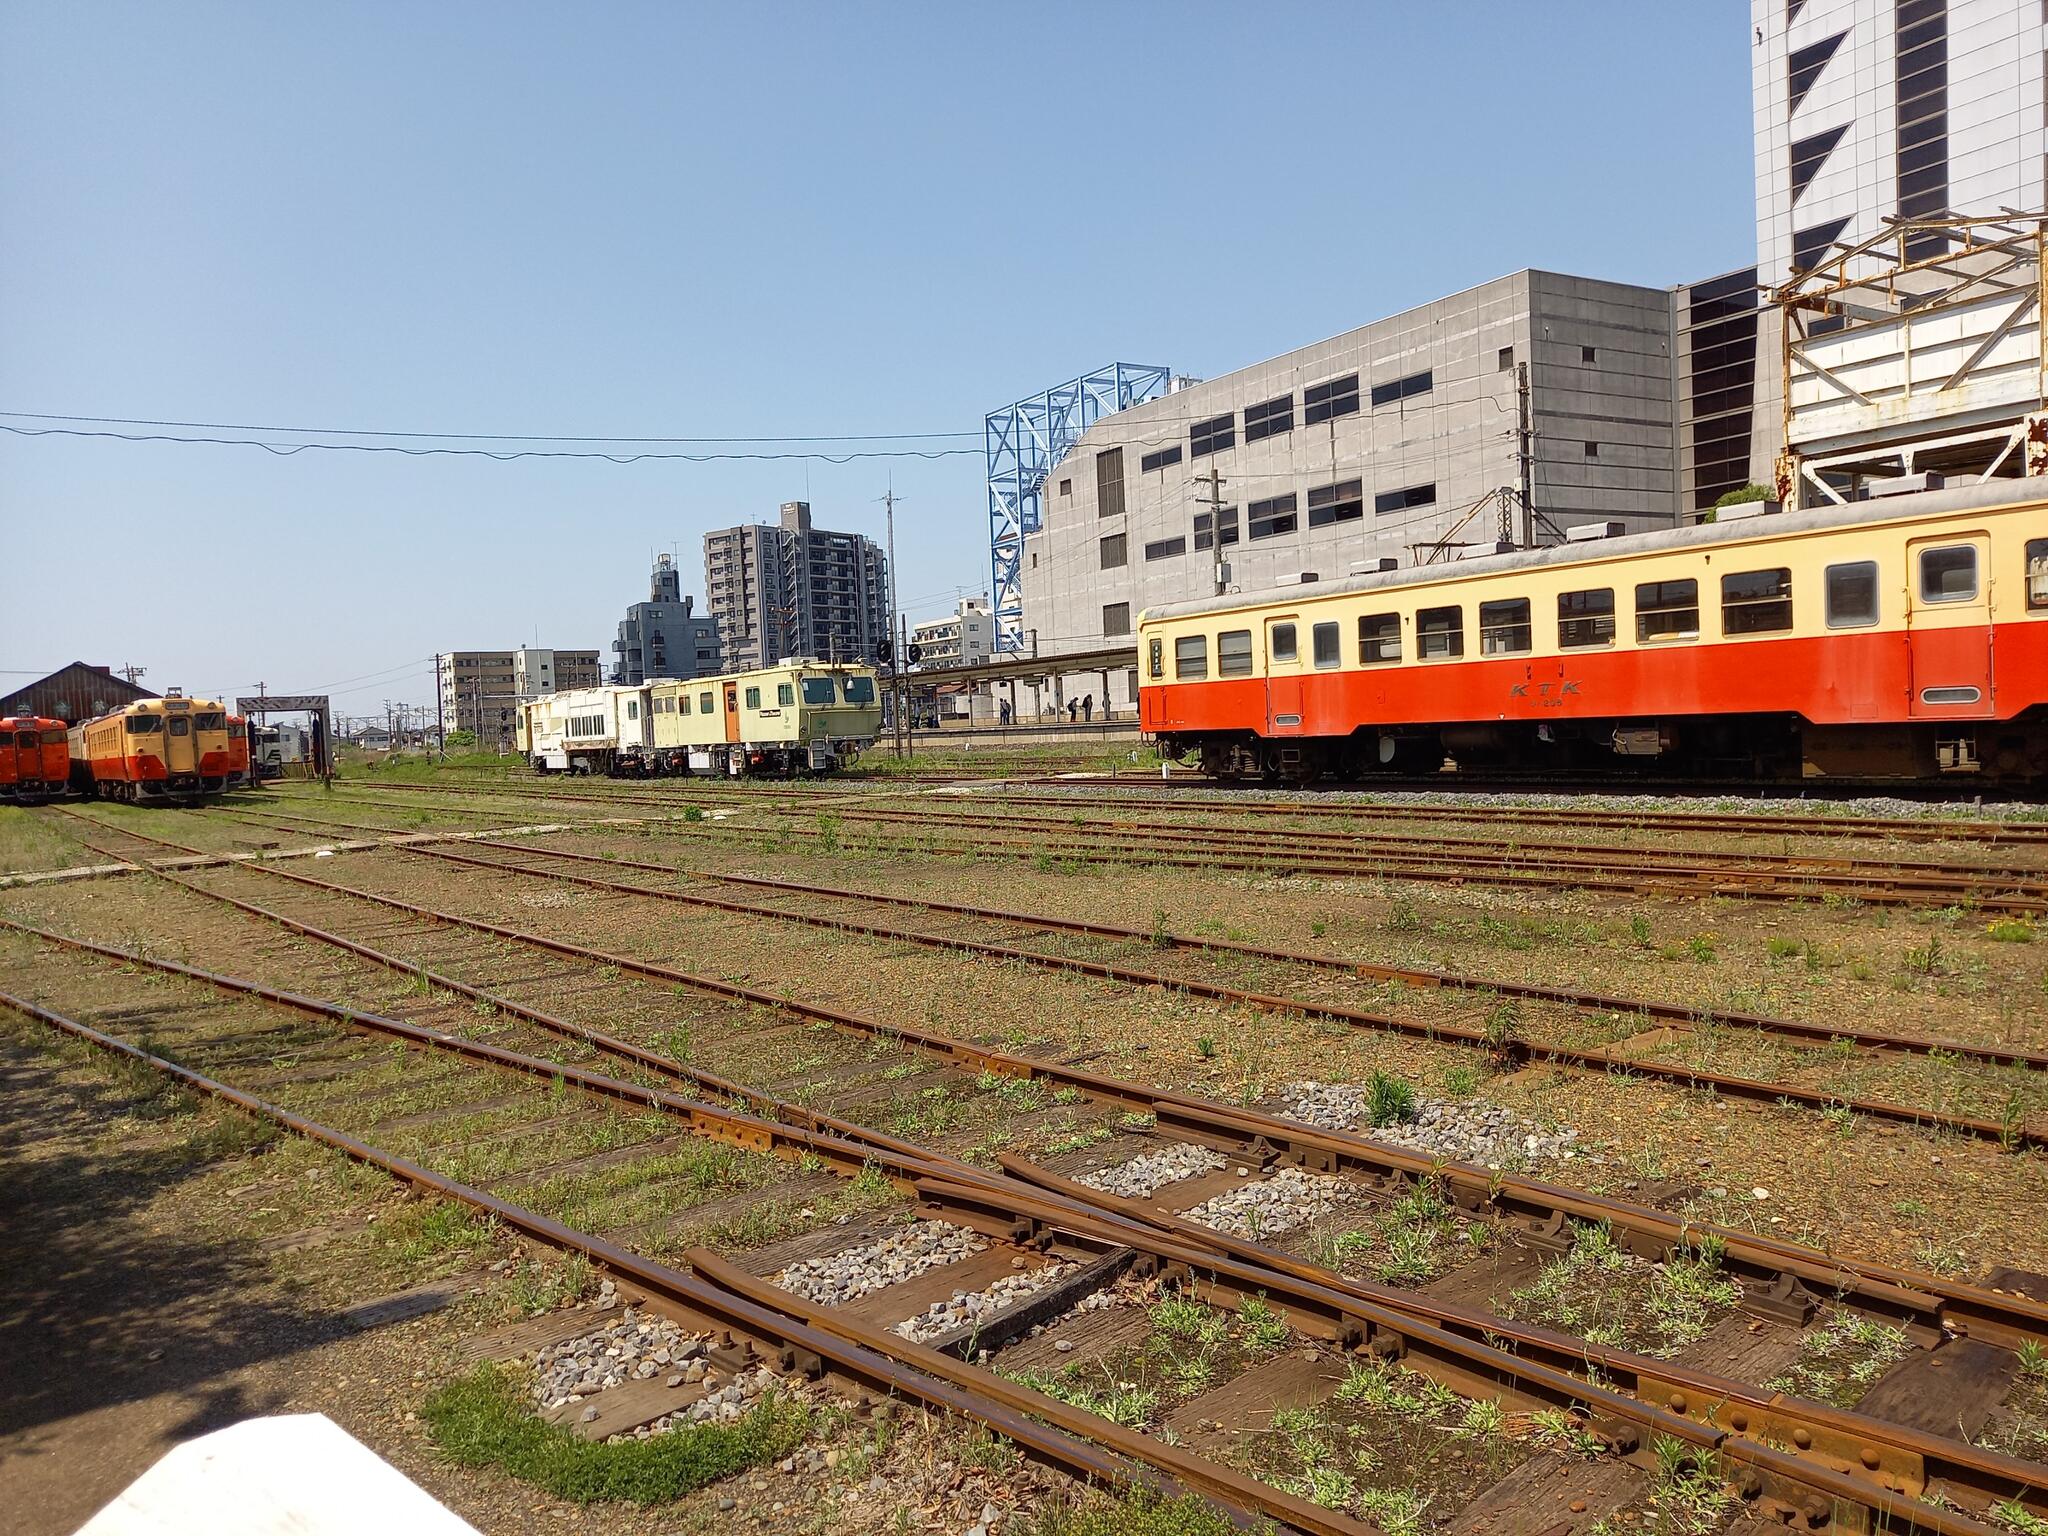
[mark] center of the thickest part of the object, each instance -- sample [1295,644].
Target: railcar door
[1948,628]
[732,712]
[1283,677]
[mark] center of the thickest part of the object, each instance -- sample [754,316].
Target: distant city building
[964,638]
[662,637]
[789,589]
[481,690]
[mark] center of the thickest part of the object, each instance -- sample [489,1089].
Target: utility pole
[440,718]
[131,671]
[896,652]
[1525,456]
[1214,502]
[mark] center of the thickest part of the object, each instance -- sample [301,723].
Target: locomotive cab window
[785,694]
[1327,648]
[1667,610]
[1234,653]
[1756,602]
[180,726]
[1948,574]
[817,690]
[2037,575]
[1852,595]
[1440,633]
[860,690]
[144,725]
[1155,657]
[210,720]
[1191,657]
[1585,618]
[1280,641]
[753,698]
[1379,638]
[1504,628]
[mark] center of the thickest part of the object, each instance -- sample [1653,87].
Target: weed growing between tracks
[482,1420]
[1611,1297]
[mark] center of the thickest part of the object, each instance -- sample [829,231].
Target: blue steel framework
[1025,441]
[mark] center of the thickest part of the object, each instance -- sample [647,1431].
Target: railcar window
[180,726]
[817,690]
[753,698]
[632,709]
[1328,649]
[682,703]
[860,690]
[1379,638]
[210,720]
[24,738]
[1280,641]
[1667,610]
[1504,628]
[1948,575]
[785,695]
[1852,595]
[144,725]
[1234,653]
[1756,602]
[2037,575]
[1440,632]
[1191,657]
[704,703]
[1585,618]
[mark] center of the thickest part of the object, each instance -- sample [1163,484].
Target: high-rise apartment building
[789,589]
[662,637]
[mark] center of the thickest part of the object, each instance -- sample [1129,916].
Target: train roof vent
[1736,511]
[1481,551]
[1310,576]
[1585,533]
[1904,485]
[1368,567]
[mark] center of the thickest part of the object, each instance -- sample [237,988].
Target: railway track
[953,829]
[1837,1462]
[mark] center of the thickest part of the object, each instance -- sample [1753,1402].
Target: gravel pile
[1153,1170]
[860,1271]
[635,1348]
[1464,1131]
[970,1307]
[1289,1199]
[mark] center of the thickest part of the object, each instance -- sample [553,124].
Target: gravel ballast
[1289,1199]
[1150,1171]
[1462,1130]
[851,1273]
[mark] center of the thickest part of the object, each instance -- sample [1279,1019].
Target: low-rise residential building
[481,690]
[964,638]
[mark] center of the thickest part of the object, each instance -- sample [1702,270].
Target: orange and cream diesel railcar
[173,748]
[1900,637]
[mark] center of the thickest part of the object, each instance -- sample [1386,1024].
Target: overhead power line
[477,437]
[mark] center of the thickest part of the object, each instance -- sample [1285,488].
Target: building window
[1587,354]
[1066,487]
[1280,643]
[2037,575]
[1809,155]
[1269,419]
[1116,618]
[1191,658]
[1215,529]
[1109,483]
[1402,500]
[1506,359]
[1592,449]
[1401,389]
[1159,460]
[1340,503]
[1327,649]
[1756,602]
[1948,575]
[1440,633]
[1212,436]
[1585,618]
[1166,549]
[1115,552]
[1329,400]
[1274,515]
[1234,653]
[1803,67]
[1667,610]
[1810,245]
[1504,628]
[1379,638]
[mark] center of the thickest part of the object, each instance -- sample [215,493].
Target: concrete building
[789,589]
[662,637]
[1872,109]
[1392,442]
[481,690]
[964,638]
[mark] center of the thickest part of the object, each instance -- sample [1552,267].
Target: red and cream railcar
[238,752]
[1900,637]
[173,749]
[35,758]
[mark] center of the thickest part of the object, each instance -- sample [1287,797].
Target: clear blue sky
[761,220]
